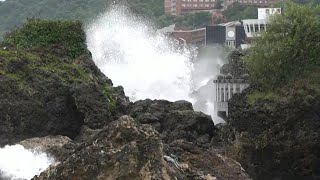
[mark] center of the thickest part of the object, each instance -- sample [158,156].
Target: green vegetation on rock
[44,33]
[289,50]
[276,120]
[50,84]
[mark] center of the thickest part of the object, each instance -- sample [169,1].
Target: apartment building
[180,7]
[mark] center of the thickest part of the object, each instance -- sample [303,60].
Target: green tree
[289,50]
[237,12]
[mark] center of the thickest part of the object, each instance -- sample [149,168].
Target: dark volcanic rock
[123,150]
[126,149]
[277,139]
[174,120]
[56,146]
[53,89]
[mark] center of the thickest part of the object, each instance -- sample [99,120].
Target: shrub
[38,33]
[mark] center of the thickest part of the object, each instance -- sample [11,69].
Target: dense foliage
[43,33]
[289,50]
[238,12]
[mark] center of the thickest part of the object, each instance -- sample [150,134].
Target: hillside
[14,13]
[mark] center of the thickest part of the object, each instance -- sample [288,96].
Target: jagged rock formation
[277,138]
[126,149]
[52,92]
[167,117]
[45,91]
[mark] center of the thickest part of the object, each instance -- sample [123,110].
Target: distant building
[231,34]
[185,35]
[225,88]
[180,7]
[264,13]
[236,34]
[233,79]
[257,3]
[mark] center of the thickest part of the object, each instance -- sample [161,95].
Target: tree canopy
[289,50]
[237,12]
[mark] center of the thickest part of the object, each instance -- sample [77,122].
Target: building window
[195,5]
[183,5]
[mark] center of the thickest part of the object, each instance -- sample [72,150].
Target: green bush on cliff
[38,33]
[289,50]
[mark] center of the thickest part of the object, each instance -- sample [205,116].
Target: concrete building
[231,34]
[185,35]
[236,34]
[180,7]
[256,3]
[225,88]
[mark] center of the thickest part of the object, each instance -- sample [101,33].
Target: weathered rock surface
[44,91]
[126,149]
[174,120]
[277,139]
[55,146]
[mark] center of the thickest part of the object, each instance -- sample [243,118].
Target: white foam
[16,162]
[147,64]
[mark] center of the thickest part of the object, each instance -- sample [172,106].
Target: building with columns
[233,78]
[225,88]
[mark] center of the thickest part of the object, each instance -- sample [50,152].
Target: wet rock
[126,149]
[123,150]
[56,146]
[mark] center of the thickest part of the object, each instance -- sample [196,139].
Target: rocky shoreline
[63,105]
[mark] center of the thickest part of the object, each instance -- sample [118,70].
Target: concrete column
[224,92]
[229,88]
[234,88]
[241,87]
[217,92]
[221,98]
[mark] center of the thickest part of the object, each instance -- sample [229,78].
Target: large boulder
[174,120]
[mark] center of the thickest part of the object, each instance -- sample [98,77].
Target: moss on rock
[49,83]
[38,33]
